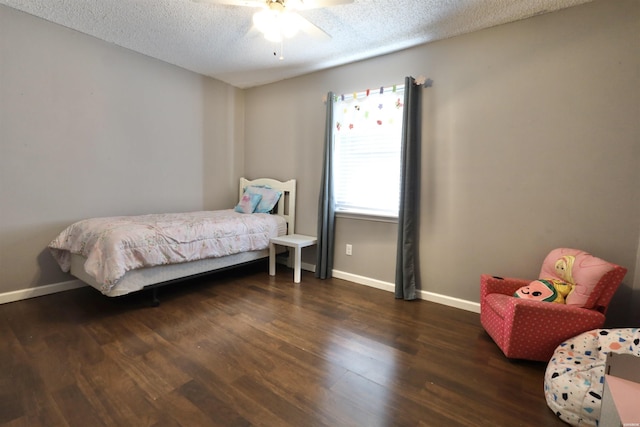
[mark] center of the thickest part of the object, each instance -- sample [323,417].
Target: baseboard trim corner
[425,295]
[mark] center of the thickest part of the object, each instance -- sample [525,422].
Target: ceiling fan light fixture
[275,23]
[273,36]
[264,20]
[288,24]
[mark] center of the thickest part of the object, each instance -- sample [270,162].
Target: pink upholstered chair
[527,329]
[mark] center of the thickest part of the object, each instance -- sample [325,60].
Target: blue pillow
[248,202]
[269,196]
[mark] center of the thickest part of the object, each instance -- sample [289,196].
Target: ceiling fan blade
[247,3]
[309,28]
[315,4]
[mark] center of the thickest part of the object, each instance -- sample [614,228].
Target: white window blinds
[367,143]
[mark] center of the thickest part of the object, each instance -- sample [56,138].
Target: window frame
[365,113]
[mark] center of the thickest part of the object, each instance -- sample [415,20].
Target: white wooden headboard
[286,206]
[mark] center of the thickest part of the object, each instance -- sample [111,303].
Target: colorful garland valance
[420,80]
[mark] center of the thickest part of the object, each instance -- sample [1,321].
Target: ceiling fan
[278,19]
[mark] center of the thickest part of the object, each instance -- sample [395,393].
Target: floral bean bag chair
[574,379]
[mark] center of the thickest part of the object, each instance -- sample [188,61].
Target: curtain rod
[420,80]
[365,93]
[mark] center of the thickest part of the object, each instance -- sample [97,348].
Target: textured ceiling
[218,41]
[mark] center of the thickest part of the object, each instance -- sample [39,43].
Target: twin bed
[120,255]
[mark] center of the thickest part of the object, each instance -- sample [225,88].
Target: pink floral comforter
[115,245]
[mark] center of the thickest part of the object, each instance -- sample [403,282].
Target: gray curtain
[408,240]
[326,205]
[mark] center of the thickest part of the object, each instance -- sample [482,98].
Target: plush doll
[564,267]
[551,290]
[562,288]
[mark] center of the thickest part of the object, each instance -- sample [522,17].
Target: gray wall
[531,141]
[91,129]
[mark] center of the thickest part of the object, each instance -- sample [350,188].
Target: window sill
[366,216]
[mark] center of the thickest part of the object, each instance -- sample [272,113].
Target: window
[367,132]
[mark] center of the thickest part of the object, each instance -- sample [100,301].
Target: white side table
[296,241]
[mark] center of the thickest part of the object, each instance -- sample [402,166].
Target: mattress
[108,249]
[135,280]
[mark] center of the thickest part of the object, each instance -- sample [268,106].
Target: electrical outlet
[349,249]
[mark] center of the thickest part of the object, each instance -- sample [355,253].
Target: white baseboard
[427,296]
[288,261]
[39,291]
[361,280]
[308,267]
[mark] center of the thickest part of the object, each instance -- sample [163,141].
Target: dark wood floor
[244,349]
